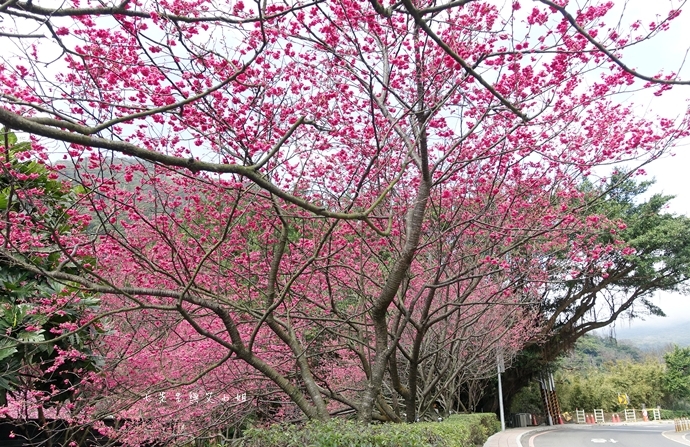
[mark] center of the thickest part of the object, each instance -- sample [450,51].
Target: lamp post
[501,369]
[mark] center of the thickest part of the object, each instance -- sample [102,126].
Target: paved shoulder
[681,438]
[629,435]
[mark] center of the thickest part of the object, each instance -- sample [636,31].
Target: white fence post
[630,415]
[580,416]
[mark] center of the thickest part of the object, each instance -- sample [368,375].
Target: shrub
[673,414]
[599,388]
[468,430]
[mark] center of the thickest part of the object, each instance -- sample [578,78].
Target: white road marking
[531,439]
[671,435]
[598,440]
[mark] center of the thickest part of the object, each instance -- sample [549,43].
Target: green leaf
[7,352]
[10,137]
[21,147]
[17,314]
[32,337]
[5,384]
[5,197]
[33,168]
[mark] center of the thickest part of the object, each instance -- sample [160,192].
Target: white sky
[672,173]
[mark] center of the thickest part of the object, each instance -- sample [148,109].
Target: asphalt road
[637,435]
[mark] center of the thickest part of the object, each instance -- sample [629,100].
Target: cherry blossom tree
[287,200]
[609,284]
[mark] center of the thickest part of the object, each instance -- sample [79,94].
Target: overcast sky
[668,51]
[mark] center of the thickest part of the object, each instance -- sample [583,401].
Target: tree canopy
[315,208]
[677,378]
[655,257]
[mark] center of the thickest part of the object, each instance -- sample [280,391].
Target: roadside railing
[627,415]
[682,424]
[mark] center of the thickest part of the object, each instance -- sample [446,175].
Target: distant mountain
[594,351]
[656,338]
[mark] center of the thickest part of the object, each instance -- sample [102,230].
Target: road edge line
[684,440]
[518,440]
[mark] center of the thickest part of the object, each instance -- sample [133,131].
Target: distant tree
[599,387]
[610,284]
[594,351]
[656,258]
[677,377]
[598,369]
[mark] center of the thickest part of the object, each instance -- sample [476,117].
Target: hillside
[592,351]
[657,337]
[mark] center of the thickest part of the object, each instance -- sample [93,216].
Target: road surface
[637,435]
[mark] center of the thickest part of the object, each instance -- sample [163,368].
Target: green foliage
[528,400]
[55,194]
[30,335]
[642,382]
[457,431]
[590,354]
[673,414]
[591,351]
[661,239]
[658,258]
[599,369]
[677,378]
[599,388]
[578,392]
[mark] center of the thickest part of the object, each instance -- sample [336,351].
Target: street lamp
[501,369]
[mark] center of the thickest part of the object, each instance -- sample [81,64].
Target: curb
[679,437]
[536,430]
